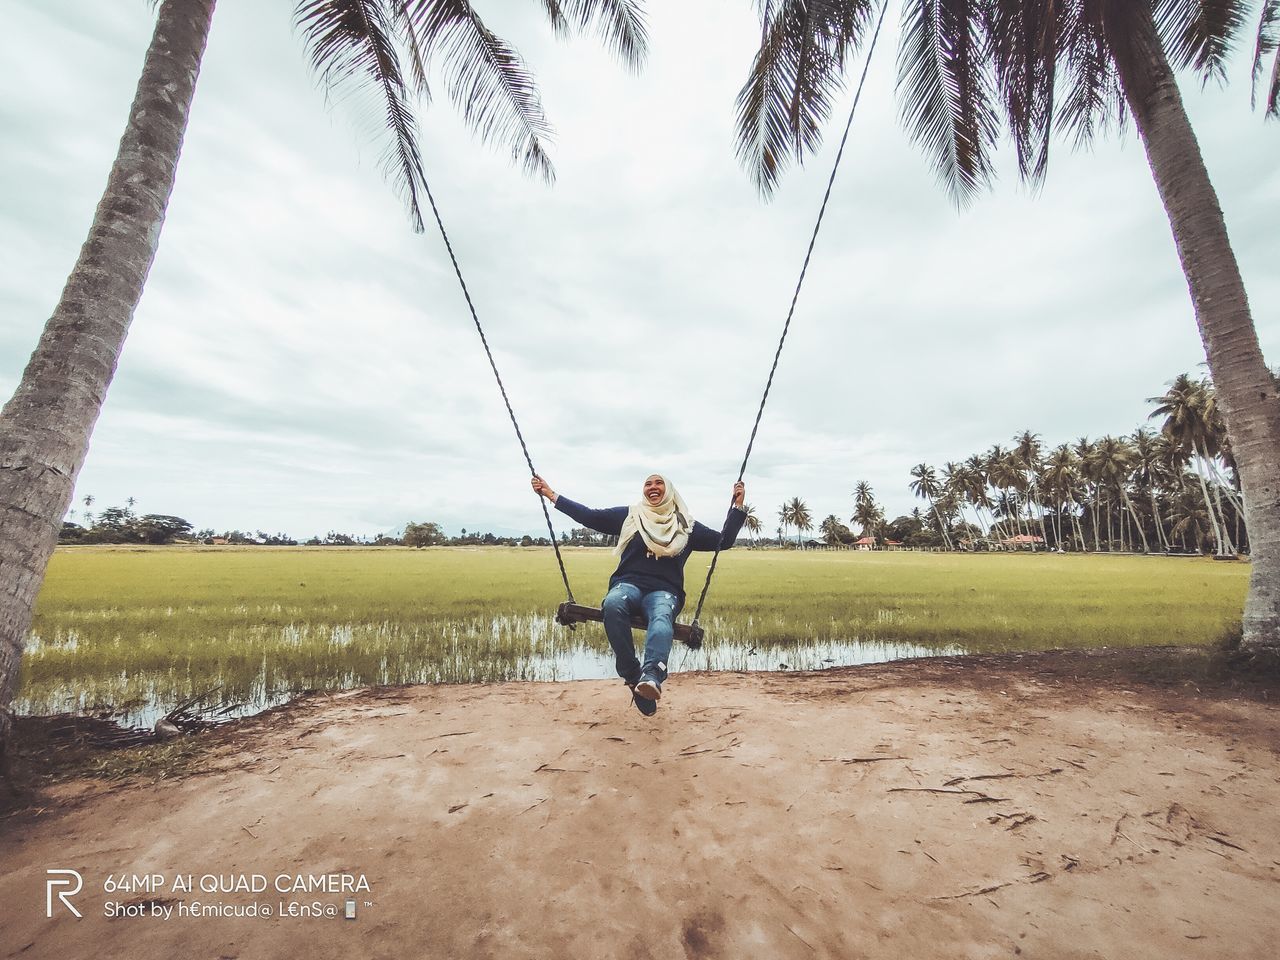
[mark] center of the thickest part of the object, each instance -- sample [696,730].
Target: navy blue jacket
[636,566]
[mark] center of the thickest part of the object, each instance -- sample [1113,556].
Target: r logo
[61,878]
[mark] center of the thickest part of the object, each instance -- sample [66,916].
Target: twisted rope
[546,514]
[813,239]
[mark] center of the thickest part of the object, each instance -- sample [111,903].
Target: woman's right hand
[541,488]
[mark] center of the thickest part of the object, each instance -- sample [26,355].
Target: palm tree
[867,514]
[752,522]
[1059,478]
[45,427]
[1004,473]
[800,517]
[1026,450]
[1148,476]
[784,520]
[1188,423]
[831,528]
[968,71]
[926,486]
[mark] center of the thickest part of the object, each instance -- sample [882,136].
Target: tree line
[119,525]
[1175,489]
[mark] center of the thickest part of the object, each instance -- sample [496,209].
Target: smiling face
[655,488]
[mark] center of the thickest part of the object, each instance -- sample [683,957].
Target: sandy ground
[940,809]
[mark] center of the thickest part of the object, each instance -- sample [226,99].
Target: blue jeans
[621,603]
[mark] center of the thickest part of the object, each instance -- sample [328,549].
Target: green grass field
[141,628]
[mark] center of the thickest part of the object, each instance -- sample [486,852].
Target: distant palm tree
[926,486]
[969,72]
[1148,476]
[1189,423]
[1059,477]
[867,514]
[752,521]
[800,517]
[1005,474]
[1027,451]
[831,528]
[784,520]
[385,47]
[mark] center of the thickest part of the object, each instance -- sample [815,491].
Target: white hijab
[664,527]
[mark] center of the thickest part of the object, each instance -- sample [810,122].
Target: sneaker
[646,706]
[649,688]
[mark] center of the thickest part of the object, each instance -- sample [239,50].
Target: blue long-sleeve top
[636,566]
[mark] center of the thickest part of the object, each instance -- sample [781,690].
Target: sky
[301,361]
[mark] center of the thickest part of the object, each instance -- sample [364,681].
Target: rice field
[137,630]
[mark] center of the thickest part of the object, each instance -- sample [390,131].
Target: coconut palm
[801,519]
[1005,474]
[1059,477]
[388,48]
[867,514]
[831,529]
[752,521]
[926,486]
[971,70]
[784,520]
[976,491]
[1189,422]
[1148,476]
[1027,452]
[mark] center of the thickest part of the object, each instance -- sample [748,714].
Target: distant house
[1021,541]
[218,541]
[866,543]
[893,544]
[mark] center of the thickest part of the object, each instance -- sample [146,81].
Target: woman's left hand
[739,493]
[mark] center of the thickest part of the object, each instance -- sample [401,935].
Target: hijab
[664,527]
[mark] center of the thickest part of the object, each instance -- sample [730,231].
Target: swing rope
[444,234]
[546,514]
[813,239]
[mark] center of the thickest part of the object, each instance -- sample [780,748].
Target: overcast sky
[301,361]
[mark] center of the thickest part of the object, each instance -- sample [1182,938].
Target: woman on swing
[655,537]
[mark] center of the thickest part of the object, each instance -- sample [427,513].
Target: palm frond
[1026,38]
[1268,45]
[1094,102]
[351,44]
[487,80]
[555,14]
[619,22]
[1200,33]
[946,88]
[408,34]
[795,74]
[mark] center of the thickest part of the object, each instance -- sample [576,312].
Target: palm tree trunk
[1137,522]
[1208,504]
[1248,393]
[46,425]
[942,527]
[1155,516]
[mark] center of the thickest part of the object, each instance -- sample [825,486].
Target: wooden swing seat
[568,614]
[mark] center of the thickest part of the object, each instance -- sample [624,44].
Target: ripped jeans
[621,603]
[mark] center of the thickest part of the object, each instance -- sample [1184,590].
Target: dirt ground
[948,808]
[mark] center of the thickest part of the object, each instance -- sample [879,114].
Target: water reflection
[289,660]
